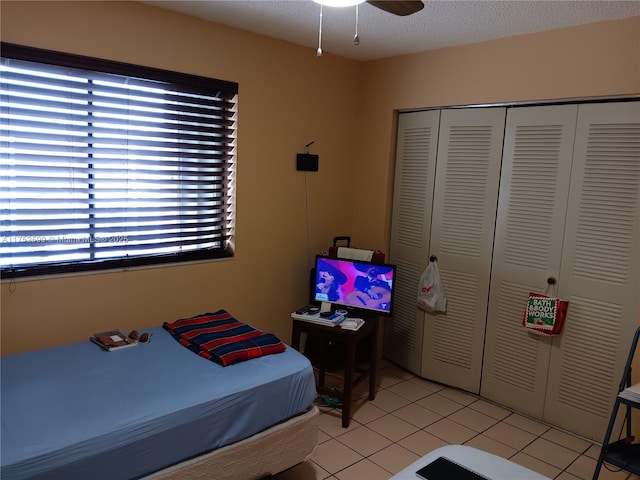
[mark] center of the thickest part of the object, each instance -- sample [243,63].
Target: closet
[507,198]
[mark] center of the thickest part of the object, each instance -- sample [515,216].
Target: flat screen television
[354,285]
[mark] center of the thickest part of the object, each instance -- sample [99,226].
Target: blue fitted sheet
[78,412]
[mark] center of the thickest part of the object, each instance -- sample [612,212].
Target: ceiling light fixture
[340,4]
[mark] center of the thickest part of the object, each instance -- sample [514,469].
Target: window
[109,165]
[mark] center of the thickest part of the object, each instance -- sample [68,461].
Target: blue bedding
[79,412]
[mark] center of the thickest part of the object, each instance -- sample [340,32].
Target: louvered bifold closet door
[600,273]
[536,170]
[462,228]
[410,230]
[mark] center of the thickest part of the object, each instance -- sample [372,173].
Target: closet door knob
[551,280]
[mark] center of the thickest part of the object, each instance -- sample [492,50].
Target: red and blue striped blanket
[220,337]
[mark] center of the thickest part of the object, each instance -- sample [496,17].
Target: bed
[484,464]
[155,411]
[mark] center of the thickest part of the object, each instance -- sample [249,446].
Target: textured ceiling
[440,24]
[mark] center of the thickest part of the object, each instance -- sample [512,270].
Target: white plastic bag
[431,296]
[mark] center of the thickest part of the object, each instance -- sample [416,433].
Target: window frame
[205,85]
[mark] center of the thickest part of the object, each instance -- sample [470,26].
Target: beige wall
[288,97]
[585,61]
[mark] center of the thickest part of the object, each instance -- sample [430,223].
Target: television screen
[354,284]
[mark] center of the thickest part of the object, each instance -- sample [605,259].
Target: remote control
[309,309]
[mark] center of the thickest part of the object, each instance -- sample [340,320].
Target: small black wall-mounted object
[307,162]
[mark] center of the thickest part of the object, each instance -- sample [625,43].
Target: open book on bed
[112,340]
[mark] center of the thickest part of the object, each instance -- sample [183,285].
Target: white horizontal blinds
[534,192]
[411,227]
[600,268]
[99,166]
[466,192]
[415,171]
[534,186]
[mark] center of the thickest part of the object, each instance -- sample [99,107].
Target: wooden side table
[352,374]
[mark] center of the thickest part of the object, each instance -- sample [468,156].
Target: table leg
[373,362]
[349,367]
[295,337]
[323,345]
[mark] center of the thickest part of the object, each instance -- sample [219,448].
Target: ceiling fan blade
[398,7]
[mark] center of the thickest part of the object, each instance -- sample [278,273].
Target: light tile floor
[411,416]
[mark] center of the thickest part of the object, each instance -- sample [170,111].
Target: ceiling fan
[398,7]
[401,8]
